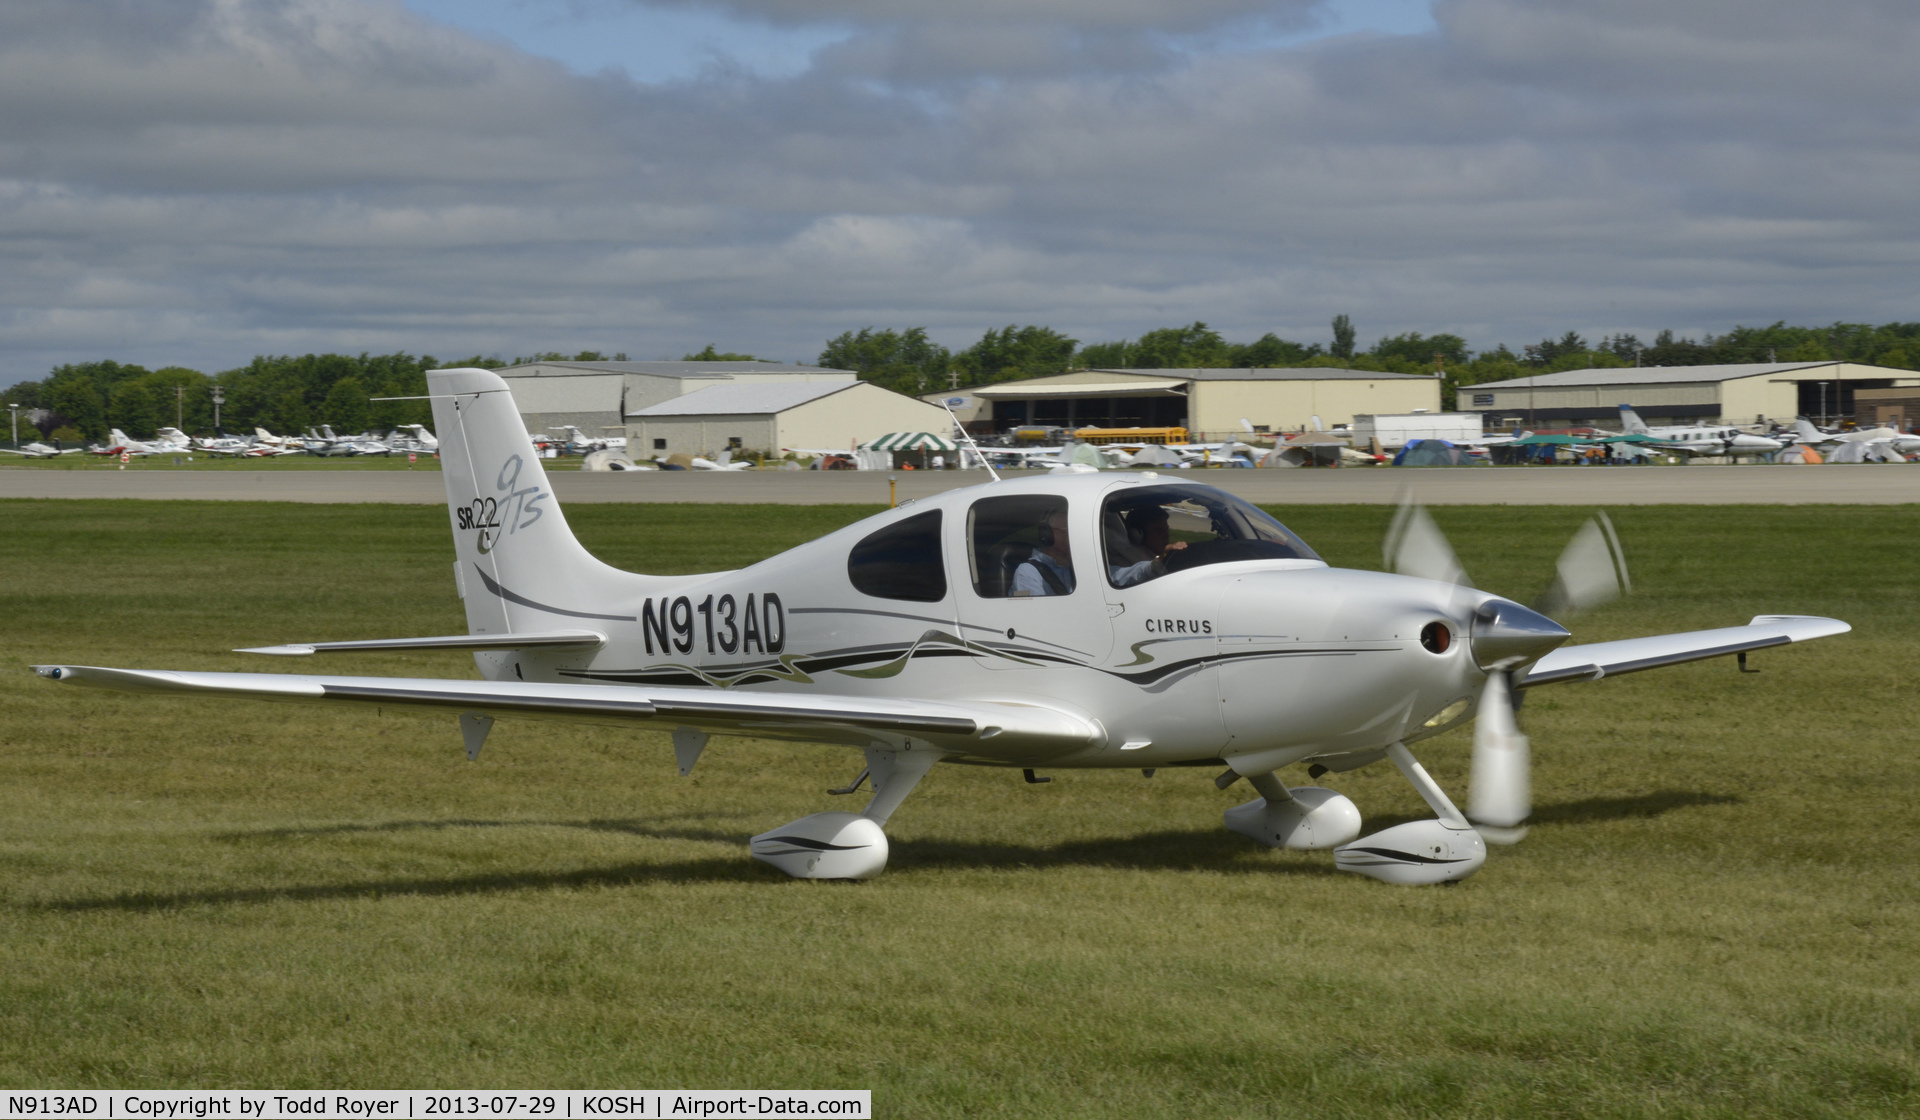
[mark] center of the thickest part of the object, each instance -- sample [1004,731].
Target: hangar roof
[1652,375]
[656,369]
[1277,374]
[738,400]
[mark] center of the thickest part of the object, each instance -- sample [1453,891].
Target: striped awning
[910,441]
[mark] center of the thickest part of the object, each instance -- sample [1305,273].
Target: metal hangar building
[1730,394]
[1203,401]
[820,415]
[598,397]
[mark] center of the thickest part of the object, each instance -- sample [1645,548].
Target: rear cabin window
[901,561]
[1019,547]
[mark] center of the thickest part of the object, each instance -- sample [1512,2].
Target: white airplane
[1019,624]
[1698,440]
[326,444]
[580,442]
[723,463]
[425,439]
[1905,443]
[217,445]
[263,436]
[118,444]
[42,450]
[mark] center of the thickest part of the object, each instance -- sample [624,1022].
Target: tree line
[908,361]
[286,393]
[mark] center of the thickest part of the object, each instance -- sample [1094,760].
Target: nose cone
[1504,632]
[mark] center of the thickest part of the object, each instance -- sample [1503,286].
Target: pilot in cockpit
[1141,556]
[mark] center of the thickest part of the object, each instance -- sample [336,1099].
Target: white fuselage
[1716,441]
[1280,659]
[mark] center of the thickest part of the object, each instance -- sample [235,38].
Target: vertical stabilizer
[1630,421]
[520,567]
[1805,432]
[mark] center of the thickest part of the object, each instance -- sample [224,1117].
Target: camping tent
[1431,453]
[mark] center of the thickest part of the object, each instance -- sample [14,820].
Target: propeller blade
[1592,571]
[1500,792]
[1415,546]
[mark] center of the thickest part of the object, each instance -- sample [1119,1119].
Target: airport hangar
[598,397]
[821,415]
[1207,402]
[1732,394]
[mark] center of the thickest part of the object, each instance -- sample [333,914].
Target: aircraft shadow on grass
[1657,803]
[1196,850]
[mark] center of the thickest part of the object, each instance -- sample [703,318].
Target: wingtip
[280,651]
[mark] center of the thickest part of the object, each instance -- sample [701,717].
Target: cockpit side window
[1019,546]
[1150,531]
[901,561]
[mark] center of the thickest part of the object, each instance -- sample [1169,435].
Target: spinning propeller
[1503,635]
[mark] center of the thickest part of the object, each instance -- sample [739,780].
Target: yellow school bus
[1131,435]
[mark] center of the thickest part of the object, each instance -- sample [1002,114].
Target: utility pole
[219,398]
[15,410]
[179,406]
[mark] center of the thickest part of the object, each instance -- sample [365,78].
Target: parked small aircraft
[42,450]
[1892,439]
[1073,620]
[118,444]
[1700,440]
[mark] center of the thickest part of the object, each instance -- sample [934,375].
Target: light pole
[219,398]
[14,409]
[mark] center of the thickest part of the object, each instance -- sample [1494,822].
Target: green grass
[1715,914]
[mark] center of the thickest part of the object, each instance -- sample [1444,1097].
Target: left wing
[1610,659]
[979,728]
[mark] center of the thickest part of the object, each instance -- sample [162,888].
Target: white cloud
[200,181]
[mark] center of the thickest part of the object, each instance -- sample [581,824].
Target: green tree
[905,361]
[712,355]
[1420,350]
[1270,351]
[1107,355]
[1343,336]
[345,407]
[1195,346]
[1014,353]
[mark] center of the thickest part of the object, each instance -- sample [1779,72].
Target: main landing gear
[1443,850]
[847,845]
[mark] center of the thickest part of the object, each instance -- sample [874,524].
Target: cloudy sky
[198,181]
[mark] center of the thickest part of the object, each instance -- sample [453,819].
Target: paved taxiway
[1848,484]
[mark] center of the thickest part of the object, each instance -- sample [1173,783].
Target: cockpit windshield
[1150,531]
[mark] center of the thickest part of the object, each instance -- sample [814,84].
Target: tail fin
[1630,420]
[517,563]
[1804,429]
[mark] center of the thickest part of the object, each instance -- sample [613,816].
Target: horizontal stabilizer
[1632,655]
[536,639]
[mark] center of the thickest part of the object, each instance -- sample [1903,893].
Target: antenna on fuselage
[972,446]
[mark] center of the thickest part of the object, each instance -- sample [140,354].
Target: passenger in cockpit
[1049,570]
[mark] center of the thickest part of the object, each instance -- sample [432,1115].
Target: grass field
[1715,914]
